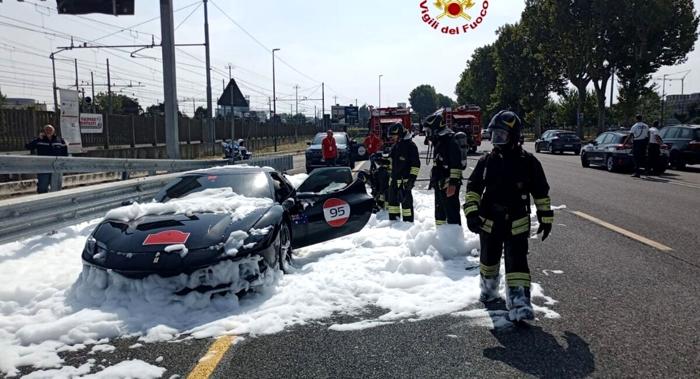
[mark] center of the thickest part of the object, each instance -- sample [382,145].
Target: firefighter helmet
[505,128]
[397,129]
[434,125]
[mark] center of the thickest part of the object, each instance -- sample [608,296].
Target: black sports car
[327,205]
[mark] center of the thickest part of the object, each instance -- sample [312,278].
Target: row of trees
[425,100]
[579,43]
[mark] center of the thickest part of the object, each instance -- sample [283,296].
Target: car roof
[685,126]
[232,170]
[561,131]
[334,133]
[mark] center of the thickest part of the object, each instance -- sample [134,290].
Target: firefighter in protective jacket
[498,209]
[405,166]
[446,173]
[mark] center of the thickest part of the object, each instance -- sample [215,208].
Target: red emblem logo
[167,237]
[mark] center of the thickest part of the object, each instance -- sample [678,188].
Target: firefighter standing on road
[498,209]
[405,165]
[446,174]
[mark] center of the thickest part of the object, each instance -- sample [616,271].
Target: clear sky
[346,44]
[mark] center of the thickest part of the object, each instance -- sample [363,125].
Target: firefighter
[405,165]
[446,173]
[498,209]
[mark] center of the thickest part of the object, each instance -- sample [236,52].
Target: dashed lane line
[211,359]
[624,232]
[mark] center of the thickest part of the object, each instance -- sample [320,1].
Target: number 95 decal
[336,212]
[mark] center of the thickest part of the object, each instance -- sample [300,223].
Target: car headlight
[96,250]
[259,238]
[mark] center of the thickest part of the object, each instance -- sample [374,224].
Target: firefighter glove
[474,223]
[545,218]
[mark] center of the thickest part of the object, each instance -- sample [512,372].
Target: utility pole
[92,84]
[380,90]
[169,79]
[209,122]
[335,99]
[274,99]
[233,113]
[296,97]
[323,104]
[76,75]
[109,89]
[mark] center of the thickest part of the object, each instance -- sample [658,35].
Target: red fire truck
[382,118]
[467,119]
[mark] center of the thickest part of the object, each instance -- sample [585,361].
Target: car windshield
[247,184]
[567,135]
[340,139]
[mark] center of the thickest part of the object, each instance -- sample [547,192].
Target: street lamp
[274,99]
[380,90]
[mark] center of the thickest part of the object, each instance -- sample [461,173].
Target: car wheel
[610,163]
[584,161]
[677,161]
[537,148]
[577,152]
[284,251]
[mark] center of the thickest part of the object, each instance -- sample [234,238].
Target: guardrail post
[126,175]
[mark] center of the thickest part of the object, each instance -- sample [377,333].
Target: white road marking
[624,232]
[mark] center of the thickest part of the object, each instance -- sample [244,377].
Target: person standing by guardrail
[47,144]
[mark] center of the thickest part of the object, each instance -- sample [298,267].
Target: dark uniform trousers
[514,248]
[405,166]
[447,208]
[400,201]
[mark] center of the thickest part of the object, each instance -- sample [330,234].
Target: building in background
[681,107]
[232,101]
[23,104]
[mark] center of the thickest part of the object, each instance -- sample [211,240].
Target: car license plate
[568,145]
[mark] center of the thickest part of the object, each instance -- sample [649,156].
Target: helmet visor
[500,137]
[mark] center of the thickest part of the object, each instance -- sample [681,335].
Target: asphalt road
[627,309]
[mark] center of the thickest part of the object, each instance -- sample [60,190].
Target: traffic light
[113,7]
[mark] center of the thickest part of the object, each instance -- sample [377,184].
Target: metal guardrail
[36,214]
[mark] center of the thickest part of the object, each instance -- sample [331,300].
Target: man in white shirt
[654,149]
[640,136]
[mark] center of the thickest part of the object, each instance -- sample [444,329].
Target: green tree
[477,82]
[444,101]
[424,100]
[656,33]
[510,73]
[121,104]
[200,113]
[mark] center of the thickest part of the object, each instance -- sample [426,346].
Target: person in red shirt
[373,144]
[330,150]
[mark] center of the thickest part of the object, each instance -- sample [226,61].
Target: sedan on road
[558,141]
[208,243]
[683,142]
[613,150]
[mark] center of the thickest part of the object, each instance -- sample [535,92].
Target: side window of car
[609,138]
[601,138]
[282,188]
[671,133]
[685,133]
[545,135]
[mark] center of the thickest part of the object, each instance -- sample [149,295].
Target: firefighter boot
[489,289]
[518,304]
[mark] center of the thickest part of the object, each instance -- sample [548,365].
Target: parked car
[200,244]
[485,134]
[613,150]
[683,142]
[558,141]
[347,148]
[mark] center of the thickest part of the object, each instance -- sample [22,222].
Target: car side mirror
[594,142]
[288,203]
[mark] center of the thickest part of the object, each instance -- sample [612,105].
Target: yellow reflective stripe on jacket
[520,226]
[473,197]
[487,225]
[544,204]
[455,173]
[415,171]
[490,270]
[547,220]
[470,209]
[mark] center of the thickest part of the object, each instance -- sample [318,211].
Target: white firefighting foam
[410,271]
